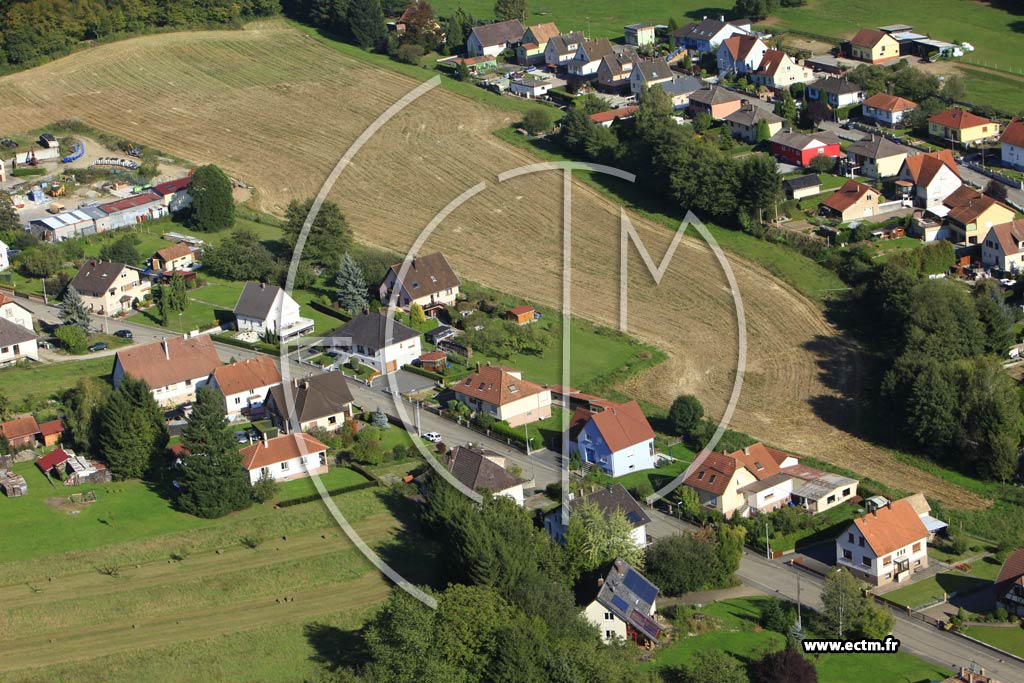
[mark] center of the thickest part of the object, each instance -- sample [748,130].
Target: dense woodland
[32,31]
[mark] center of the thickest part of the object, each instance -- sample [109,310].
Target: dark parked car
[123,334]
[98,346]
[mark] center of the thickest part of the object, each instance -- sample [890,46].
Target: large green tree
[843,604]
[714,666]
[351,285]
[594,539]
[214,481]
[366,23]
[8,215]
[685,414]
[83,405]
[328,238]
[510,9]
[72,310]
[213,207]
[241,257]
[132,430]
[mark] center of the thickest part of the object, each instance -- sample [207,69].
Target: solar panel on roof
[640,586]
[620,603]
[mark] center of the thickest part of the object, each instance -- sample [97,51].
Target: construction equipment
[58,190]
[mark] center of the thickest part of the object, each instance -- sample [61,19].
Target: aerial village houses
[263,308]
[1003,247]
[16,343]
[607,118]
[366,338]
[503,393]
[561,49]
[639,35]
[614,72]
[321,401]
[285,457]
[799,148]
[972,214]
[614,436]
[1011,144]
[588,57]
[876,157]
[479,470]
[715,101]
[244,385]
[802,186]
[929,178]
[888,544]
[740,54]
[743,123]
[174,193]
[534,42]
[108,287]
[175,257]
[429,281]
[613,500]
[680,88]
[1009,584]
[20,431]
[623,607]
[778,70]
[706,35]
[134,209]
[836,92]
[761,479]
[173,368]
[961,126]
[647,73]
[887,110]
[852,200]
[874,46]
[492,39]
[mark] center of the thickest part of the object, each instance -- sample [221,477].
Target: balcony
[295,328]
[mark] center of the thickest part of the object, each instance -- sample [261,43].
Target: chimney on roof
[721,17]
[618,565]
[264,438]
[478,366]
[704,17]
[889,505]
[600,581]
[167,349]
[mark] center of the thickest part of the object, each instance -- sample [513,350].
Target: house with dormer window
[887,544]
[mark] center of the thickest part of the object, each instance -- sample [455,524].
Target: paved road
[772,577]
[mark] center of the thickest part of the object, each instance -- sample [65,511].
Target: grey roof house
[367,339]
[319,401]
[624,606]
[263,308]
[480,470]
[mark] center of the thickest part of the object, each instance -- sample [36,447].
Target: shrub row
[334,492]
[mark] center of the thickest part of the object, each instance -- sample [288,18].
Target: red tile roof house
[174,193]
[886,545]
[244,385]
[614,436]
[521,315]
[51,431]
[606,118]
[173,368]
[1009,584]
[175,257]
[286,457]
[799,148]
[887,109]
[504,393]
[851,201]
[20,431]
[1012,144]
[929,178]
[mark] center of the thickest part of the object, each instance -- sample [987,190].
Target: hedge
[333,492]
[327,310]
[257,346]
[424,372]
[502,429]
[22,172]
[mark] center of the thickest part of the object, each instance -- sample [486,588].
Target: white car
[432,437]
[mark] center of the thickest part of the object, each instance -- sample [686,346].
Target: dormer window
[758,465]
[512,388]
[415,285]
[700,476]
[433,279]
[712,479]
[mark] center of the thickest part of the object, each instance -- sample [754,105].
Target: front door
[391,366]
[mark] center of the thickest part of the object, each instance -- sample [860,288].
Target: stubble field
[277,108]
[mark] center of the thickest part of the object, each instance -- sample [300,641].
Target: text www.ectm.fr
[889,645]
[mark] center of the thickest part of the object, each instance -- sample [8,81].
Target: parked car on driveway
[98,346]
[123,334]
[432,437]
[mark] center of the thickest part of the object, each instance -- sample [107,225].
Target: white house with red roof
[740,54]
[286,457]
[1003,247]
[1012,144]
[614,436]
[887,109]
[174,193]
[503,393]
[244,385]
[888,544]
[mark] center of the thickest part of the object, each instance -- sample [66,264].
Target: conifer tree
[351,285]
[132,431]
[72,310]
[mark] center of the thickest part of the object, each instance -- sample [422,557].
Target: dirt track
[252,102]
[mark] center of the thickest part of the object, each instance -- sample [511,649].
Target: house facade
[428,281]
[285,457]
[929,178]
[244,385]
[745,122]
[876,157]
[1003,247]
[17,343]
[802,186]
[133,210]
[887,110]
[173,368]
[647,73]
[612,500]
[319,402]
[740,54]
[503,393]
[624,606]
[561,49]
[705,36]
[614,436]
[961,126]
[972,214]
[14,312]
[836,92]
[174,193]
[799,148]
[888,544]
[588,57]
[479,470]
[851,201]
[534,42]
[367,339]
[777,70]
[263,309]
[175,257]
[614,71]
[715,101]
[874,46]
[109,288]
[1009,584]
[1011,144]
[493,39]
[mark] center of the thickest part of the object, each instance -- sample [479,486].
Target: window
[917,563]
[332,420]
[284,465]
[712,479]
[888,560]
[849,538]
[265,471]
[866,561]
[608,635]
[700,475]
[917,547]
[608,616]
[860,541]
[188,383]
[237,400]
[846,492]
[769,496]
[830,499]
[323,459]
[847,555]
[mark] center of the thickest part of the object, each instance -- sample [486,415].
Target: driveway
[407,382]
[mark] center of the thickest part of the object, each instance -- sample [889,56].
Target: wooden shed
[521,315]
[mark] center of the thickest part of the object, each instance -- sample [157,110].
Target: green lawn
[1004,92]
[739,618]
[885,248]
[931,589]
[1009,639]
[975,546]
[660,476]
[830,524]
[986,568]
[336,478]
[38,382]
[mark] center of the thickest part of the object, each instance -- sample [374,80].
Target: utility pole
[45,300]
[526,431]
[419,428]
[799,605]
[767,545]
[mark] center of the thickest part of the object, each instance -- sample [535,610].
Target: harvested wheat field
[277,108]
